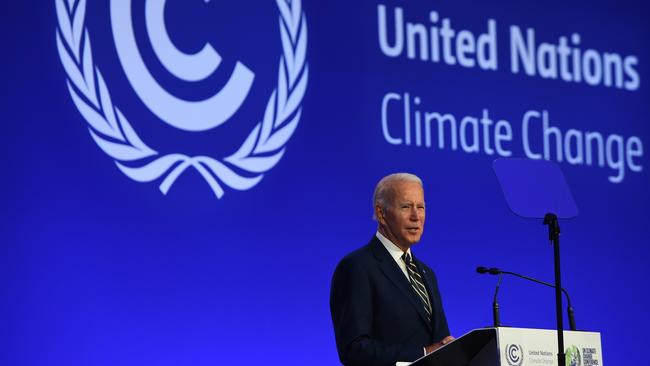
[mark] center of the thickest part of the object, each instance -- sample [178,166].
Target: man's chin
[414,240]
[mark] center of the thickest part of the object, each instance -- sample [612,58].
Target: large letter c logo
[186,115]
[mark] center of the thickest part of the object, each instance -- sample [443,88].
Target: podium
[516,347]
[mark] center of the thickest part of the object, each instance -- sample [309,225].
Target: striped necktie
[417,283]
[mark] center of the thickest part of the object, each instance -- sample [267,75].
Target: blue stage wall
[134,233]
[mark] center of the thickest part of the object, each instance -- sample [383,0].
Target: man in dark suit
[385,303]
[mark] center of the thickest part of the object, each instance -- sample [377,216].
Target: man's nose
[414,214]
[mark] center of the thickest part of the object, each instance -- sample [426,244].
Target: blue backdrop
[98,268]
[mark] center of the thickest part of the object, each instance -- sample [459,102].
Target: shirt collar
[393,249]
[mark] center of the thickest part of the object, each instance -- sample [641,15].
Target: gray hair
[384,189]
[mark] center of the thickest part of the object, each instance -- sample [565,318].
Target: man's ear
[379,213]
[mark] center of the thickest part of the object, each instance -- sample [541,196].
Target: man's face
[403,220]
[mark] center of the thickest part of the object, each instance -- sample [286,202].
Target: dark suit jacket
[378,318]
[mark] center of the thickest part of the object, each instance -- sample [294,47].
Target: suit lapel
[396,276]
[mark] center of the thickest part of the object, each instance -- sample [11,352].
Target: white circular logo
[514,354]
[109,127]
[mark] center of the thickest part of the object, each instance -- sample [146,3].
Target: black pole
[554,236]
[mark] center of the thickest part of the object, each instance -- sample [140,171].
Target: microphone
[482,270]
[495,304]
[497,271]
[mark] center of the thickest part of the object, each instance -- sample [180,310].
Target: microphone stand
[495,304]
[550,219]
[570,311]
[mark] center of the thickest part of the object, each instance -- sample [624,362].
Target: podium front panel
[535,347]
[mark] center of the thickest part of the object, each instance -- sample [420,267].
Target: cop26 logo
[260,151]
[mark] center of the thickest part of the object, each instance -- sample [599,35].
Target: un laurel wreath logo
[110,129]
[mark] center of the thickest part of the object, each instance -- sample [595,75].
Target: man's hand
[437,345]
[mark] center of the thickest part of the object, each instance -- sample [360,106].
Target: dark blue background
[96,269]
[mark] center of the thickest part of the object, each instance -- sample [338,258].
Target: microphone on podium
[495,305]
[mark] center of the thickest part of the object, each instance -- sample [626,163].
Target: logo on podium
[572,357]
[514,354]
[111,130]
